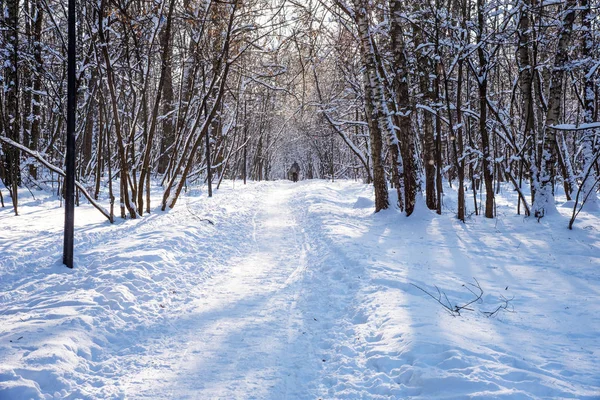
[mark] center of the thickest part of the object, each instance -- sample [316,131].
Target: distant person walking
[294,172]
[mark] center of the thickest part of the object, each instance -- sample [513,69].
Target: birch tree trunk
[374,111]
[544,198]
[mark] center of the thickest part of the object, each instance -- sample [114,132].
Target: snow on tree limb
[59,171]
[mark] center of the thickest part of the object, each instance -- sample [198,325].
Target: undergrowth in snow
[298,291]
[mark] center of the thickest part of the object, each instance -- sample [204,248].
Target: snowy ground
[297,291]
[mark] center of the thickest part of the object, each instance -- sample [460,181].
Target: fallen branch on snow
[505,306]
[476,290]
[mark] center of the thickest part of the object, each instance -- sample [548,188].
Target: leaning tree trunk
[193,142]
[90,124]
[165,66]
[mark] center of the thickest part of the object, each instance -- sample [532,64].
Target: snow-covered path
[240,337]
[298,291]
[170,306]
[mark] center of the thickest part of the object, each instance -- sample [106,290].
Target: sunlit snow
[298,291]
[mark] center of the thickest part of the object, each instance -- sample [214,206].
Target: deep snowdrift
[297,291]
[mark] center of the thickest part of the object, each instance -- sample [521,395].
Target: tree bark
[125,199]
[589,184]
[407,142]
[485,141]
[425,71]
[544,198]
[526,84]
[11,118]
[165,66]
[168,123]
[373,110]
[36,110]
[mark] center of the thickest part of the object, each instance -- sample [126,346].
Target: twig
[187,206]
[478,296]
[503,306]
[447,307]
[456,309]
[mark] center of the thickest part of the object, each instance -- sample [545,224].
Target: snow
[297,291]
[580,127]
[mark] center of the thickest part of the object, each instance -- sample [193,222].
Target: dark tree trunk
[487,163]
[36,110]
[407,142]
[11,94]
[168,125]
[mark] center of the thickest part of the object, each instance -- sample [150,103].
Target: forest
[300,199]
[404,95]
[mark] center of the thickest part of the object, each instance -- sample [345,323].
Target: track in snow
[297,292]
[243,335]
[167,306]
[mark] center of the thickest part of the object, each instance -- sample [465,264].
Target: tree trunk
[488,165]
[407,142]
[544,198]
[169,200]
[125,199]
[526,83]
[165,66]
[589,185]
[425,71]
[11,95]
[374,111]
[168,125]
[36,110]
[27,75]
